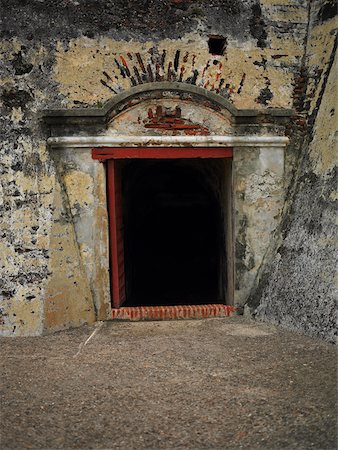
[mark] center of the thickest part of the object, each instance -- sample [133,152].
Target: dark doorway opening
[174,234]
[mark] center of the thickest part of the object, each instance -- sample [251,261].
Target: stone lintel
[186,141]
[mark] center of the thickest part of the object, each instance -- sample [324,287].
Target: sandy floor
[204,384]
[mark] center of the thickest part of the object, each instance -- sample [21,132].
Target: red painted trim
[179,312]
[105,153]
[112,231]
[117,276]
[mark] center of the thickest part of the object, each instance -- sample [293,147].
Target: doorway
[173,233]
[170,228]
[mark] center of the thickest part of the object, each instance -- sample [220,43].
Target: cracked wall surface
[82,53]
[297,287]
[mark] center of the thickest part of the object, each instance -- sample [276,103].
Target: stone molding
[187,141]
[164,89]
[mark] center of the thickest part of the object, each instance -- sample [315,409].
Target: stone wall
[296,288]
[258,199]
[81,53]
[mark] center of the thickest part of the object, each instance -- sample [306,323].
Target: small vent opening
[217,44]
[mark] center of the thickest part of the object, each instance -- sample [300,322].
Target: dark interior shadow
[172,234]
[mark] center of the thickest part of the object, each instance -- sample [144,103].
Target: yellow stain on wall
[323,148]
[80,68]
[68,299]
[79,186]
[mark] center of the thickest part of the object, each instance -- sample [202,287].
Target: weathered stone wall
[258,199]
[81,53]
[296,287]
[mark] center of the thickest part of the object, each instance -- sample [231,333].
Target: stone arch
[91,118]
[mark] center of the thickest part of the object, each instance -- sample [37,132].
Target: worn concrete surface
[210,384]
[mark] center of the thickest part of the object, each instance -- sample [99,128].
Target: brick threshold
[178,312]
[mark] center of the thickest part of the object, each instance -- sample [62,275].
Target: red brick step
[135,313]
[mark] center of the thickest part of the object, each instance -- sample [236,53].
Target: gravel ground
[200,384]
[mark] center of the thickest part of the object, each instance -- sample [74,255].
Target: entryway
[161,121]
[173,233]
[170,226]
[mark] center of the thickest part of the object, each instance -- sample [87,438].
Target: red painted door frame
[116,238]
[114,189]
[106,153]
